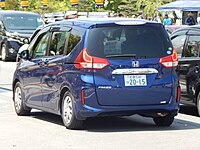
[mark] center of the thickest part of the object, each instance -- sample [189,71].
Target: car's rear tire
[68,112]
[18,97]
[163,121]
[3,53]
[198,103]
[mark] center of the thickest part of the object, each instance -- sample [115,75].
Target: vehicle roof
[6,12]
[189,27]
[88,22]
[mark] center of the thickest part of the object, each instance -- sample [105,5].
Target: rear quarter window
[147,41]
[74,38]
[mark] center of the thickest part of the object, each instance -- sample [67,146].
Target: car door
[189,66]
[189,62]
[51,78]
[178,41]
[33,69]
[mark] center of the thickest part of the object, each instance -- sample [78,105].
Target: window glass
[22,21]
[144,41]
[57,45]
[41,47]
[192,47]
[74,39]
[178,44]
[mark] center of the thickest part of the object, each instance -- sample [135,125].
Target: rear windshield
[143,41]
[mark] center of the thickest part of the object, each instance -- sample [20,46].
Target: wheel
[68,112]
[198,103]
[3,52]
[164,121]
[18,98]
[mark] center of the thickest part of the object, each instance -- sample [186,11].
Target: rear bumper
[149,111]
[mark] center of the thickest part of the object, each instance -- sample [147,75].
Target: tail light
[178,98]
[85,61]
[170,61]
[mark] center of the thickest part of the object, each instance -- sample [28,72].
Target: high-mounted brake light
[85,61]
[170,61]
[130,22]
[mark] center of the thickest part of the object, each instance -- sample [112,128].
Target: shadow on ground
[120,124]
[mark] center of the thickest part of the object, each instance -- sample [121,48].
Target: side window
[74,39]
[192,47]
[178,44]
[41,47]
[57,45]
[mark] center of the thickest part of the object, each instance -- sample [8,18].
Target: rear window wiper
[122,55]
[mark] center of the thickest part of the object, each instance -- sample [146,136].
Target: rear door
[189,63]
[134,75]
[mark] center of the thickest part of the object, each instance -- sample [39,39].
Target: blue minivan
[85,68]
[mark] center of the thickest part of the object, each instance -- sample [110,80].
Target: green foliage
[53,6]
[113,5]
[122,7]
[12,5]
[127,8]
[119,7]
[86,5]
[150,7]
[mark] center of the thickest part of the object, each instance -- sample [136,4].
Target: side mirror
[1,25]
[24,54]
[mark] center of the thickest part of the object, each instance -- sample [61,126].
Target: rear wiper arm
[123,55]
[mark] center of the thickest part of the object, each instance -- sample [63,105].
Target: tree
[127,8]
[113,5]
[53,6]
[12,5]
[122,7]
[150,7]
[86,5]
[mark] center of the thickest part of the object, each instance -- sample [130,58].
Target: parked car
[81,68]
[15,26]
[186,41]
[172,28]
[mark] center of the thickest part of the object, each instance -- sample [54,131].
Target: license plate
[135,80]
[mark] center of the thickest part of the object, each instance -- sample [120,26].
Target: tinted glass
[74,39]
[57,44]
[145,41]
[23,22]
[192,47]
[178,44]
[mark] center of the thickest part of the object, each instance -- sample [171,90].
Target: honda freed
[88,68]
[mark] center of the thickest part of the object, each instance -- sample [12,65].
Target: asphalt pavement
[44,131]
